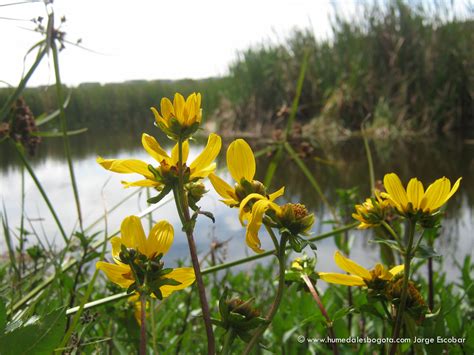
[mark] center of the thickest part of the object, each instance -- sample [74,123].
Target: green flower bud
[296,218]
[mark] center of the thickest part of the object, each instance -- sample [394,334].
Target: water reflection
[344,166]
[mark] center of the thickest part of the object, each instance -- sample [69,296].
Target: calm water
[340,165]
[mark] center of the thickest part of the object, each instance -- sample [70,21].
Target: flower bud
[296,218]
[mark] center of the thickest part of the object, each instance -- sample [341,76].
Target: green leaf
[223,307]
[208,215]
[58,134]
[341,313]
[425,251]
[43,118]
[161,195]
[391,243]
[41,337]
[3,316]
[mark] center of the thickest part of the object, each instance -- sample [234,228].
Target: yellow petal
[178,104]
[230,202]
[118,274]
[153,148]
[133,235]
[167,109]
[160,239]
[185,275]
[246,200]
[341,279]
[241,161]
[175,153]
[116,247]
[125,166]
[204,172]
[221,187]
[415,192]
[158,118]
[396,269]
[130,166]
[251,236]
[198,102]
[364,225]
[190,109]
[141,183]
[453,190]
[350,266]
[436,194]
[382,273]
[276,194]
[207,156]
[395,189]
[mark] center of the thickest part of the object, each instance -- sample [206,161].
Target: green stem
[21,86]
[40,188]
[153,324]
[278,297]
[86,295]
[406,277]
[369,159]
[62,116]
[325,314]
[228,340]
[183,211]
[392,233]
[143,324]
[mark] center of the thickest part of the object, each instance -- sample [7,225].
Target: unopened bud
[296,218]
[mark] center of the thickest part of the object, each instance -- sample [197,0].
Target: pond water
[335,165]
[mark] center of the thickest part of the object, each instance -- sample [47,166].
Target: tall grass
[404,66]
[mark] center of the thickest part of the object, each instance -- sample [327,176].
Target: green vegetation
[404,67]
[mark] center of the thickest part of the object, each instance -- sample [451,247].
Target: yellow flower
[359,276]
[255,217]
[242,167]
[248,194]
[157,244]
[372,212]
[164,174]
[180,118]
[415,199]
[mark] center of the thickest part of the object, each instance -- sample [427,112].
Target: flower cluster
[372,212]
[375,279]
[137,264]
[256,206]
[413,202]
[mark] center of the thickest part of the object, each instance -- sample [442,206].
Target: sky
[146,39]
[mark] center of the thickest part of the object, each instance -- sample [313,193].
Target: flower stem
[67,147]
[430,284]
[279,295]
[392,232]
[406,277]
[316,297]
[143,324]
[228,340]
[183,211]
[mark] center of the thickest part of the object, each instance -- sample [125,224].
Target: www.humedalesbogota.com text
[368,340]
